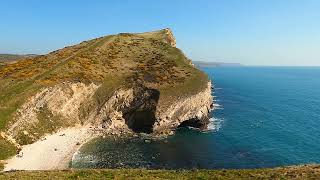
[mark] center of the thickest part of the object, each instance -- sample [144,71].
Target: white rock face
[64,100]
[193,107]
[61,100]
[109,119]
[170,37]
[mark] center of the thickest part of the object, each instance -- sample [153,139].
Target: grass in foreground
[295,172]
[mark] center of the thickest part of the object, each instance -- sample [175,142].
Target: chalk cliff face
[125,83]
[50,109]
[189,111]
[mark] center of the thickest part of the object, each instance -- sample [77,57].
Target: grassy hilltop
[124,60]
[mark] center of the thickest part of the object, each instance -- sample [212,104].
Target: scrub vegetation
[6,150]
[295,172]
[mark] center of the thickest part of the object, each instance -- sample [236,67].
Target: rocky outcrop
[137,110]
[170,38]
[131,110]
[194,110]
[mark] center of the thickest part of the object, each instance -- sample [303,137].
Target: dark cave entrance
[141,117]
[194,122]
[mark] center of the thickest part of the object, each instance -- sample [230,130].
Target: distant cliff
[125,83]
[215,64]
[14,57]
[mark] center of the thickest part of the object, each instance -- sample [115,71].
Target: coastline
[53,152]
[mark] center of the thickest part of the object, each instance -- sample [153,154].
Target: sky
[251,32]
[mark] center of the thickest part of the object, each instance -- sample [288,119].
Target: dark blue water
[269,116]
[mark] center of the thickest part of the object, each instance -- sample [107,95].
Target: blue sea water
[268,117]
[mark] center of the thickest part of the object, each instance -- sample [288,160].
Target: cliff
[125,83]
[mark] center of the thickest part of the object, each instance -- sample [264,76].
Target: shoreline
[53,152]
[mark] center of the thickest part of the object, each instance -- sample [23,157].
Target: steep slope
[118,84]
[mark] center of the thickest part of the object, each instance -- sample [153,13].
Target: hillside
[125,83]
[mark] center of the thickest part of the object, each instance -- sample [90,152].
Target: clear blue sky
[252,32]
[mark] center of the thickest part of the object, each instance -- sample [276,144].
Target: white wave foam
[216,106]
[214,124]
[84,158]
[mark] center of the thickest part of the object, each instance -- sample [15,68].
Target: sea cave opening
[194,122]
[142,117]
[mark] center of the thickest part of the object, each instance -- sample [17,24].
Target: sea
[267,117]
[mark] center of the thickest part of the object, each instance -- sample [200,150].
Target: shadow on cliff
[142,116]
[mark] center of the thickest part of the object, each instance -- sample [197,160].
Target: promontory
[118,84]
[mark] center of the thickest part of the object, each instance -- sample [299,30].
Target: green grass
[1,166]
[6,149]
[12,98]
[5,115]
[190,86]
[298,172]
[106,89]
